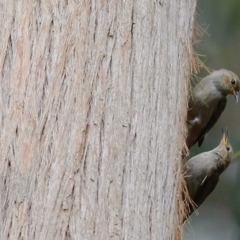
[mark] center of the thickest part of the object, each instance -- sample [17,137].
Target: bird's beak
[236,95]
[225,137]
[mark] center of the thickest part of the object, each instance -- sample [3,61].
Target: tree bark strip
[93,107]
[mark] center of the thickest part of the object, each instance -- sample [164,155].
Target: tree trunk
[93,107]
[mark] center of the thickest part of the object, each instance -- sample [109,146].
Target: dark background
[219,216]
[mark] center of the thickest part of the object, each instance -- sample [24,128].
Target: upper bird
[203,170]
[207,102]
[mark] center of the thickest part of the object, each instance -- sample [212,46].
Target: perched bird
[202,171]
[207,102]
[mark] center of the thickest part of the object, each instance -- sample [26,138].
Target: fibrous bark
[93,106]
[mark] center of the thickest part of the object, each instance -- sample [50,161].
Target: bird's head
[225,146]
[227,82]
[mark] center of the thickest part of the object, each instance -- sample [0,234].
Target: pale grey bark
[93,103]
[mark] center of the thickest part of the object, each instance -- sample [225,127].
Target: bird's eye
[228,148]
[233,81]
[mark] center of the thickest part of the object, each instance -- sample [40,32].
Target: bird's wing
[206,187]
[216,114]
[200,179]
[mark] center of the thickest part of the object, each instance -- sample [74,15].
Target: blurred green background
[219,216]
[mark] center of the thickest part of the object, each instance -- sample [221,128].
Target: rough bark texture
[93,102]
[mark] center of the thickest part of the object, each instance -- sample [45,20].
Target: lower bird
[202,171]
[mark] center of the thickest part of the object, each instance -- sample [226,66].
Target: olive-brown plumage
[203,170]
[207,102]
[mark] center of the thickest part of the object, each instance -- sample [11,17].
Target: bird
[202,172]
[207,102]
